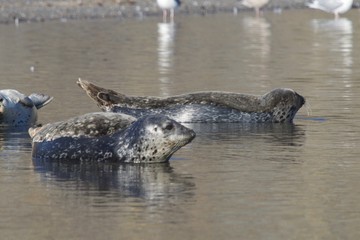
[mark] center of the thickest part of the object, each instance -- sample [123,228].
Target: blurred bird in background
[256,4]
[331,6]
[168,6]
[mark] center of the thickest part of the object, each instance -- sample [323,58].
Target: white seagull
[256,4]
[168,5]
[331,6]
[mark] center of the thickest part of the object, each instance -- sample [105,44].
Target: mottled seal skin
[278,106]
[110,137]
[19,110]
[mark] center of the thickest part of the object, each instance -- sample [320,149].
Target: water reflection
[258,32]
[151,182]
[166,37]
[14,140]
[286,134]
[263,141]
[264,181]
[257,36]
[335,38]
[15,145]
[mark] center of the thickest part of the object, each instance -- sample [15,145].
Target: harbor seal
[18,110]
[277,106]
[110,137]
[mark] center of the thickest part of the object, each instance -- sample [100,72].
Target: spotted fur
[278,105]
[18,110]
[110,137]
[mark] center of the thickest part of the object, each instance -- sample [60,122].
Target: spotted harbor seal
[17,109]
[278,106]
[110,137]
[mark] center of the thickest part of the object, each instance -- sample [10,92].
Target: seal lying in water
[17,109]
[279,105]
[110,137]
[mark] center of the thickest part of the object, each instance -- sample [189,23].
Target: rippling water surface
[234,181]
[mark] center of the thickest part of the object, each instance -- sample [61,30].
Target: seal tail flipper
[34,130]
[40,100]
[91,90]
[103,97]
[26,101]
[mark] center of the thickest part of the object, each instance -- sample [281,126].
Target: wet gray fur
[278,105]
[110,137]
[18,110]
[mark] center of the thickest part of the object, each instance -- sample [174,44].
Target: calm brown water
[234,181]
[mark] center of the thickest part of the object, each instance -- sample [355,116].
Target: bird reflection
[257,36]
[334,37]
[166,37]
[258,30]
[142,181]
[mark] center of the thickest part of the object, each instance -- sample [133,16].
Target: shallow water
[234,181]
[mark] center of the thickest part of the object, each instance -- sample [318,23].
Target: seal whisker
[308,108]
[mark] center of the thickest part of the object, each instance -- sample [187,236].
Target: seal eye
[169,126]
[1,99]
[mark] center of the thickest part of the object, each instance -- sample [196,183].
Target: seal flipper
[34,130]
[91,90]
[40,100]
[103,97]
[26,101]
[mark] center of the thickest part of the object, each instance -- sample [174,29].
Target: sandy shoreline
[43,10]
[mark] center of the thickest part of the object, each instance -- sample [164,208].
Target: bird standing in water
[168,6]
[331,6]
[256,4]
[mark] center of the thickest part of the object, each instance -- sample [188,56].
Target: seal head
[110,137]
[151,138]
[282,103]
[17,109]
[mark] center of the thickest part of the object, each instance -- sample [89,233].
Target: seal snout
[189,133]
[299,100]
[302,99]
